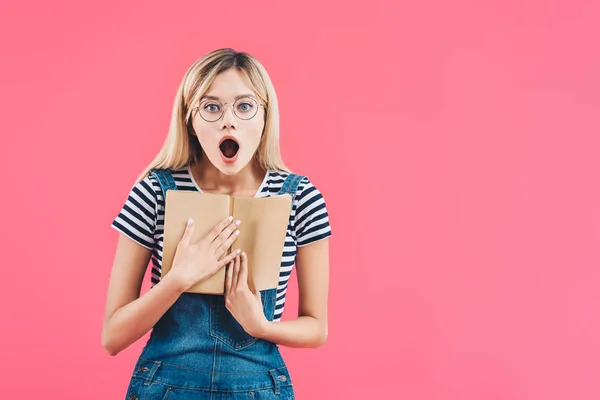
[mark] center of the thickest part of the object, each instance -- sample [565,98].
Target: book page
[207,210]
[262,236]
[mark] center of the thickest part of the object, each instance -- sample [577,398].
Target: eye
[211,107]
[245,106]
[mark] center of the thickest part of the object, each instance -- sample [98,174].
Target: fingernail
[190,221]
[238,222]
[237,232]
[230,218]
[243,254]
[237,251]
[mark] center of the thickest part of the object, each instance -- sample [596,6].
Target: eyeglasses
[244,108]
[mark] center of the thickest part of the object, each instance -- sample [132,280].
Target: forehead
[229,84]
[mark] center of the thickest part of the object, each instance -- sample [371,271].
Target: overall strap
[165,179]
[290,186]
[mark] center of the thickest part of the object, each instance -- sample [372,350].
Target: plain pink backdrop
[456,144]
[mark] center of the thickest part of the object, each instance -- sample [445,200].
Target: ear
[190,128]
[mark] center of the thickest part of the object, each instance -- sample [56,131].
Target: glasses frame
[223,109]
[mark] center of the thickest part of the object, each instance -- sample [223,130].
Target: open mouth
[229,147]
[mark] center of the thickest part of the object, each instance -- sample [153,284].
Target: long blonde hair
[181,147]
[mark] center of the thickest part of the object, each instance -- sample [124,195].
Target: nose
[228,119]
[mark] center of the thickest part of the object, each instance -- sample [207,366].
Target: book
[262,233]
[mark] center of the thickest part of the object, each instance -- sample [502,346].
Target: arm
[128,317]
[310,328]
[312,268]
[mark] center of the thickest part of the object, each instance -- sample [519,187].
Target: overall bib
[197,350]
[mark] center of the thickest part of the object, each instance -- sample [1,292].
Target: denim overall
[197,350]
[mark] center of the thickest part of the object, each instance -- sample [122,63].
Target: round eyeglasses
[212,110]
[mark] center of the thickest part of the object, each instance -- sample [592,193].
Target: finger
[218,228]
[236,273]
[243,277]
[225,234]
[223,247]
[228,278]
[187,233]
[228,258]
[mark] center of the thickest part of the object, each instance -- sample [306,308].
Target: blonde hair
[181,147]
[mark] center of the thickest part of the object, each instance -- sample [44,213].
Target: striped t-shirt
[142,220]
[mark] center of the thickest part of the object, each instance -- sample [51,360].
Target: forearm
[304,331]
[134,320]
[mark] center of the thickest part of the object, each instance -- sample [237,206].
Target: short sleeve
[137,218]
[312,219]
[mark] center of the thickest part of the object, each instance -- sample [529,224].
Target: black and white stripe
[142,219]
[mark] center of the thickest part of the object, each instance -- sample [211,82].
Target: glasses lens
[211,110]
[245,108]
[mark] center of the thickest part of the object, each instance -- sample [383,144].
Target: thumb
[187,234]
[257,297]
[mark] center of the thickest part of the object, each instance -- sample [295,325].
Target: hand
[245,306]
[194,262]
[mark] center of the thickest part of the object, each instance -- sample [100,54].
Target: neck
[211,180]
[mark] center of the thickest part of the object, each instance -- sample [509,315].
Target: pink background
[456,146]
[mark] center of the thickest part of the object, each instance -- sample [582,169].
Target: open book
[262,233]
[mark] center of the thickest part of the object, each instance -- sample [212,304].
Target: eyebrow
[236,97]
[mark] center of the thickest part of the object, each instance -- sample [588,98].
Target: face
[231,141]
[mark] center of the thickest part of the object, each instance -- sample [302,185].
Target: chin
[230,169]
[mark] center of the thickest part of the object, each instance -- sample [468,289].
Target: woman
[223,138]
